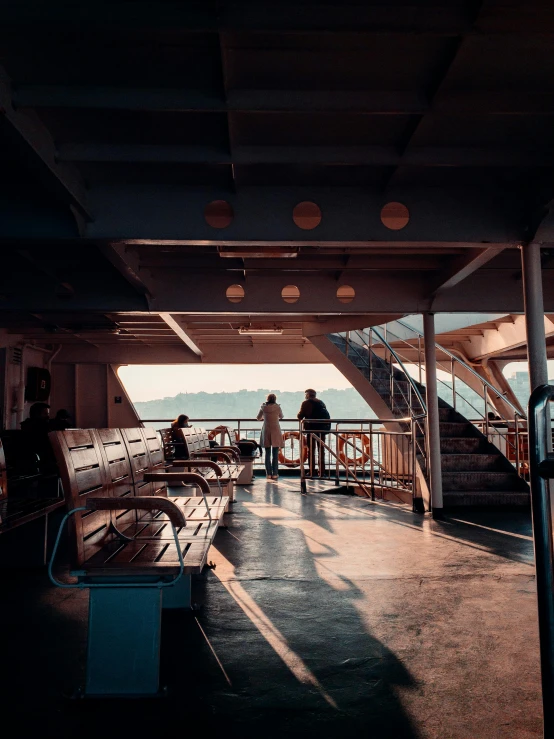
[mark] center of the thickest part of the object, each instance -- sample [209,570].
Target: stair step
[472,462]
[457,428]
[462,444]
[486,498]
[481,480]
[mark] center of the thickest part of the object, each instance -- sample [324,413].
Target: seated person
[181,422]
[496,421]
[36,428]
[61,421]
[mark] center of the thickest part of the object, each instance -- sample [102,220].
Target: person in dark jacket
[61,421]
[311,408]
[35,429]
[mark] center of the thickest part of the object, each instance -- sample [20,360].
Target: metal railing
[363,454]
[510,435]
[360,453]
[542,471]
[404,396]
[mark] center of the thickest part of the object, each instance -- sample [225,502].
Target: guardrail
[356,452]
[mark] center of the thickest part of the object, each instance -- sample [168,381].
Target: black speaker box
[38,384]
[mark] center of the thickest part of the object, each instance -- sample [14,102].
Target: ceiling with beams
[121,122]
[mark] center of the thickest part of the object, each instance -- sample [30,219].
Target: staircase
[474,471]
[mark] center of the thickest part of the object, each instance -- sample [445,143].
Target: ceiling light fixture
[253,331]
[258,253]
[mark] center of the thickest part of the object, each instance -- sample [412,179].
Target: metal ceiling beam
[237,16]
[440,74]
[463,266]
[127,264]
[377,102]
[181,333]
[173,214]
[437,246]
[37,140]
[245,353]
[375,156]
[499,341]
[312,263]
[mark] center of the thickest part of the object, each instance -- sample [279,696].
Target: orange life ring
[292,462]
[217,431]
[366,448]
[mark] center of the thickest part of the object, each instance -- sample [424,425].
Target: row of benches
[132,545]
[193,444]
[32,496]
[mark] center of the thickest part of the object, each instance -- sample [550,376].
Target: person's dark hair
[181,420]
[62,415]
[36,409]
[271,398]
[312,393]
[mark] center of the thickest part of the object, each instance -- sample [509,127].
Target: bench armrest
[231,449]
[213,453]
[192,477]
[144,502]
[198,463]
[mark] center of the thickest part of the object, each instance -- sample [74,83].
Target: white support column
[534,314]
[433,428]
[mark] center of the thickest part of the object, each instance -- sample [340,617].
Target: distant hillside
[246,404]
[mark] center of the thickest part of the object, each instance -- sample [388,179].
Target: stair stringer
[373,399]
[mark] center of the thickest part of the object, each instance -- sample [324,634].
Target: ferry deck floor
[326,616]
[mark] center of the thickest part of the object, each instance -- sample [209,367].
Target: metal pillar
[534,314]
[433,427]
[541,468]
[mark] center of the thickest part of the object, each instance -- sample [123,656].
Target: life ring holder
[366,448]
[285,460]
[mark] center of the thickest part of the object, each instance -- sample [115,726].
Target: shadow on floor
[275,651]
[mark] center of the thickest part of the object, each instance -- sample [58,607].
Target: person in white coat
[271,438]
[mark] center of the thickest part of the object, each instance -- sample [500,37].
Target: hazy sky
[149,382]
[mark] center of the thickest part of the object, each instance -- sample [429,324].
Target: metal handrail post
[419,356]
[371,463]
[414,461]
[486,399]
[518,470]
[543,545]
[303,488]
[453,377]
[370,350]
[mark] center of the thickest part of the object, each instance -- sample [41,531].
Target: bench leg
[123,653]
[178,596]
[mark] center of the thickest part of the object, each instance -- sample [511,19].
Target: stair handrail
[442,382]
[419,445]
[404,370]
[512,442]
[482,380]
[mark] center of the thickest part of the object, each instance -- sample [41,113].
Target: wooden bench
[199,457]
[198,447]
[152,476]
[129,544]
[16,511]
